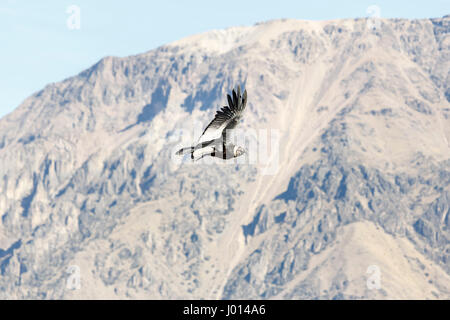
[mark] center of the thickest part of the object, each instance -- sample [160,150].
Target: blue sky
[37,47]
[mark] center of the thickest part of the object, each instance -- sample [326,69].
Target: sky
[47,41]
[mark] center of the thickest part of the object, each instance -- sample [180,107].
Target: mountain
[350,202]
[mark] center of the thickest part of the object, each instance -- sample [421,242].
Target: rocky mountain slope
[359,170]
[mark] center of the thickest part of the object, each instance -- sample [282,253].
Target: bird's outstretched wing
[227,117]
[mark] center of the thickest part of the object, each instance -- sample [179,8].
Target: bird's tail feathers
[184,151]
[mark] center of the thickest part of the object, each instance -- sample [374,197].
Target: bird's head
[238,151]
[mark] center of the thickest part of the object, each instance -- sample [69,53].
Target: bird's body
[213,142]
[217,149]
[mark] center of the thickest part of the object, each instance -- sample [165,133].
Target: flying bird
[213,141]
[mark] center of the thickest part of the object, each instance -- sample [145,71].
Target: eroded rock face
[88,178]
